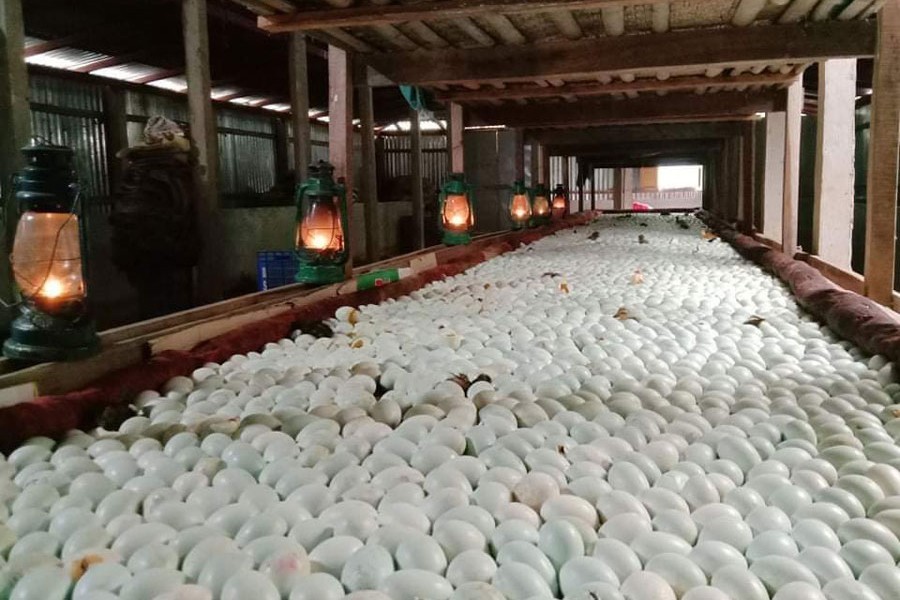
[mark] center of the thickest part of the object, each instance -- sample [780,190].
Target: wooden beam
[298,76]
[614,20]
[202,119]
[854,9]
[368,178]
[723,46]
[340,127]
[544,172]
[824,9]
[505,29]
[835,151]
[748,176]
[791,203]
[415,175]
[566,23]
[15,123]
[427,34]
[747,12]
[588,89]
[660,17]
[115,129]
[467,26]
[379,14]
[797,11]
[881,191]
[455,138]
[648,108]
[519,158]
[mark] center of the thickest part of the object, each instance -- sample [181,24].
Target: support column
[368,180]
[835,151]
[773,189]
[545,174]
[115,125]
[791,203]
[881,200]
[535,164]
[415,175]
[748,177]
[455,138]
[520,154]
[340,128]
[299,83]
[623,188]
[202,121]
[15,123]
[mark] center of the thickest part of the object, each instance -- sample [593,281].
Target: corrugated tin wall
[71,114]
[435,162]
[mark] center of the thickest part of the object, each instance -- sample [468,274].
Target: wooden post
[368,180]
[115,126]
[773,190]
[748,177]
[881,194]
[455,138]
[546,176]
[535,164]
[340,128]
[299,83]
[791,203]
[520,154]
[15,125]
[202,120]
[835,151]
[415,175]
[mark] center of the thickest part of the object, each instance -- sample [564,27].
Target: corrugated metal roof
[175,84]
[66,58]
[127,71]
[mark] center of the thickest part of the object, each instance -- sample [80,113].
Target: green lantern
[321,239]
[457,213]
[519,205]
[47,261]
[540,206]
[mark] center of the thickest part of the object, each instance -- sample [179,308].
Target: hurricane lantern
[47,261]
[456,211]
[540,206]
[519,205]
[321,239]
[560,205]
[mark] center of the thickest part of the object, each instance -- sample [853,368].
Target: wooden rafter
[588,89]
[505,28]
[733,105]
[369,15]
[566,23]
[468,26]
[586,58]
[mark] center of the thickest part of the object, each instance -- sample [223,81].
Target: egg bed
[625,410]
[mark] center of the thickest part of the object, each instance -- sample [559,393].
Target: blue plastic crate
[275,268]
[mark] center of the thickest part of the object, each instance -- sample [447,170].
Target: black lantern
[321,239]
[560,206]
[540,205]
[519,205]
[47,261]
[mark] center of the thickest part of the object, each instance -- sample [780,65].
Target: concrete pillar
[791,204]
[835,152]
[773,189]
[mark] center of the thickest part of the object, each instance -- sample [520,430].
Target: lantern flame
[457,214]
[52,288]
[520,207]
[321,228]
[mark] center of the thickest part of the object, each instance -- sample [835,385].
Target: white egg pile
[588,418]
